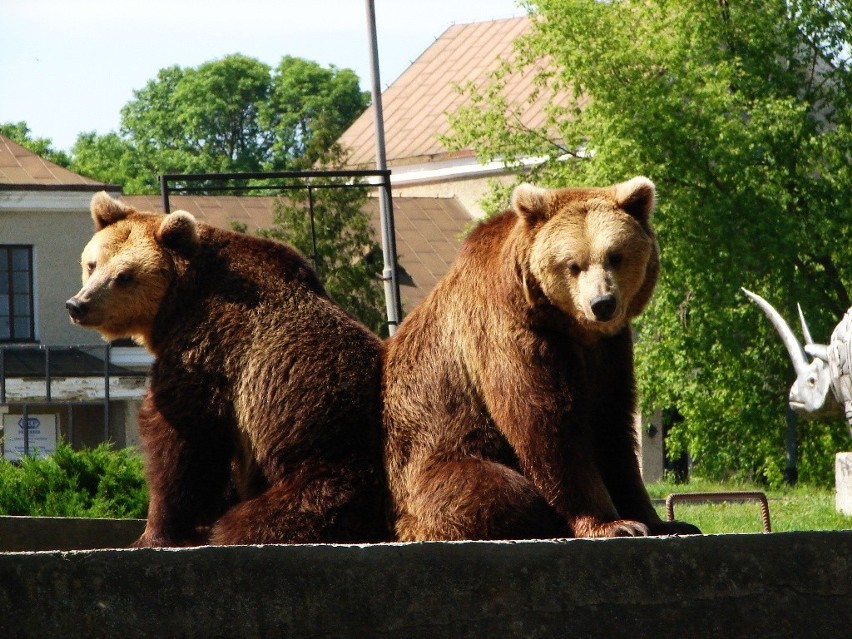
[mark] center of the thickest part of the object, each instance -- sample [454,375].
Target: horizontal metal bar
[190,177]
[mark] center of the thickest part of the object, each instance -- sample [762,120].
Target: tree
[309,108]
[204,119]
[20,133]
[114,160]
[742,114]
[339,241]
[235,114]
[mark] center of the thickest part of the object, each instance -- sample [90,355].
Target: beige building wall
[57,229]
[469,192]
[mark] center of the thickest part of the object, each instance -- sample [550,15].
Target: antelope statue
[830,367]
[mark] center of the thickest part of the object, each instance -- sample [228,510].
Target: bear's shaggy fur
[262,422]
[509,392]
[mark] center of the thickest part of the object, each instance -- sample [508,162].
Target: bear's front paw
[625,528]
[674,528]
[618,528]
[159,539]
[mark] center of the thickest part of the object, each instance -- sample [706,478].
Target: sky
[68,66]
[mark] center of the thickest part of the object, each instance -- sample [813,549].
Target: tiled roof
[217,210]
[416,105]
[428,230]
[20,167]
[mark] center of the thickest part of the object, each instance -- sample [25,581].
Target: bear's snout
[603,307]
[77,309]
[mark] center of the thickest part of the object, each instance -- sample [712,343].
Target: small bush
[96,482]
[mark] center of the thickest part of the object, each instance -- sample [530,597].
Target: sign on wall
[41,436]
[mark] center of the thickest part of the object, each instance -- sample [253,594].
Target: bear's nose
[603,306]
[76,308]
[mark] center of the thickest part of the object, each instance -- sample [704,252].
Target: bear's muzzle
[603,307]
[77,309]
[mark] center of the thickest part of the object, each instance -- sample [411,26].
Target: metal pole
[47,377]
[107,356]
[389,272]
[164,191]
[2,375]
[70,425]
[313,230]
[26,418]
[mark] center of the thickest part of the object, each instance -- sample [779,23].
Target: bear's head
[128,266]
[592,252]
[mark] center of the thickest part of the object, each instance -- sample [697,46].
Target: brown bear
[509,393]
[263,419]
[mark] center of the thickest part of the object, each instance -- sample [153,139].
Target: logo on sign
[33,423]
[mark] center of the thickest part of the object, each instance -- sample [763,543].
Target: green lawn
[798,508]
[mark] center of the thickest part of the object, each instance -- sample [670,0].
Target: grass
[795,508]
[103,482]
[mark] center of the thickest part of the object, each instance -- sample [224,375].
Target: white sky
[68,66]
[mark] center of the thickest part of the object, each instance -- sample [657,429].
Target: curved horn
[797,354]
[805,331]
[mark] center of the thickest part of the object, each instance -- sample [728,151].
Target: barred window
[16,294]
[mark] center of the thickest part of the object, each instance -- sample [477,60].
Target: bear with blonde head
[262,421]
[509,393]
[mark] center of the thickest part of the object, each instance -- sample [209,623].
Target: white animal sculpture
[829,369]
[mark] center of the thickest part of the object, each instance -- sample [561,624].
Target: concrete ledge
[777,585]
[67,533]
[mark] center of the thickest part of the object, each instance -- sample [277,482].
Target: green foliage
[235,114]
[742,115]
[43,147]
[342,247]
[98,482]
[203,119]
[308,108]
[113,160]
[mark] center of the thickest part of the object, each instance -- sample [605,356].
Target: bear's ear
[530,202]
[106,210]
[179,232]
[637,196]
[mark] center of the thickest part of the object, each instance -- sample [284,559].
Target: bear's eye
[123,277]
[90,267]
[574,268]
[614,259]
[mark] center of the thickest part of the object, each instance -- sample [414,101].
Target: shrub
[96,482]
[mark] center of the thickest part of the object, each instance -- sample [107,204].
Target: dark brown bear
[262,392]
[509,393]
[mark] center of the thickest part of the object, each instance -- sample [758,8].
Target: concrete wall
[777,585]
[469,191]
[651,457]
[66,533]
[843,483]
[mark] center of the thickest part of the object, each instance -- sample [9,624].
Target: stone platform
[751,585]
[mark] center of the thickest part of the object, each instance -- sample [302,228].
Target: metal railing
[49,358]
[721,497]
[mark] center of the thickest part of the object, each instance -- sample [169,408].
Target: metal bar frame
[720,497]
[175,183]
[48,395]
